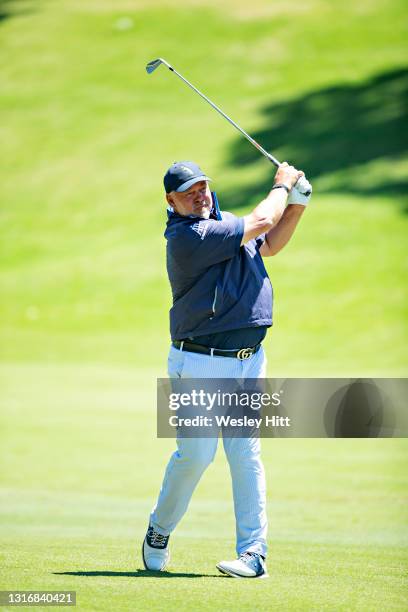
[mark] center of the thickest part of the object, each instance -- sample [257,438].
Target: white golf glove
[301,192]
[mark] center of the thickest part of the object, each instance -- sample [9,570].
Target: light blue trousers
[193,455]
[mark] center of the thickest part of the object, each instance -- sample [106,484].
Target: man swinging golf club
[222,308]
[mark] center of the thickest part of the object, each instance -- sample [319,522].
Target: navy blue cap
[182,175]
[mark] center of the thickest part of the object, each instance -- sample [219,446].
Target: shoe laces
[246,556]
[157,539]
[251,559]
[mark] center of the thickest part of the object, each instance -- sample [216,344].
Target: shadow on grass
[332,129]
[139,574]
[13,8]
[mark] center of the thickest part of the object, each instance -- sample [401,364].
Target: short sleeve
[207,241]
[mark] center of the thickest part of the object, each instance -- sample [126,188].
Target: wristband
[279,185]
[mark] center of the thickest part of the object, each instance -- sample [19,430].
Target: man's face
[195,201]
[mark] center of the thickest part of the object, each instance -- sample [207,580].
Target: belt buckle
[245,353]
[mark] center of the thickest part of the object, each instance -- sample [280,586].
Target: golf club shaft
[302,184]
[215,107]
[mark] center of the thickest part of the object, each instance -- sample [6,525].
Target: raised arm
[270,211]
[279,236]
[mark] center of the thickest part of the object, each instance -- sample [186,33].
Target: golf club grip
[302,185]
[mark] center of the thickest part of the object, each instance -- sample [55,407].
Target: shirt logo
[199,228]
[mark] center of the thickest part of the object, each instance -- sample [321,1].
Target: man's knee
[242,449]
[197,458]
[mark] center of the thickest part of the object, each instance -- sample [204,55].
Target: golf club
[302,184]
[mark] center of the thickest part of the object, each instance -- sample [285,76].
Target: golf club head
[151,66]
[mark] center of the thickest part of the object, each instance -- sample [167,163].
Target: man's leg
[248,477]
[189,461]
[249,491]
[184,470]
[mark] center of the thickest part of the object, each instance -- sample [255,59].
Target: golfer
[222,308]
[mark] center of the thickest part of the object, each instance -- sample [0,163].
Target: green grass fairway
[86,137]
[82,467]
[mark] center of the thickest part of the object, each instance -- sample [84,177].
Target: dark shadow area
[337,128]
[139,574]
[14,8]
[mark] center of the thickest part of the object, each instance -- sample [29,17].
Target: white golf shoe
[155,552]
[249,565]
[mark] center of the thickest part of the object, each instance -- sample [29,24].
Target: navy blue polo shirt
[218,286]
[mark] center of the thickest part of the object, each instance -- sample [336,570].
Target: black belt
[191,347]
